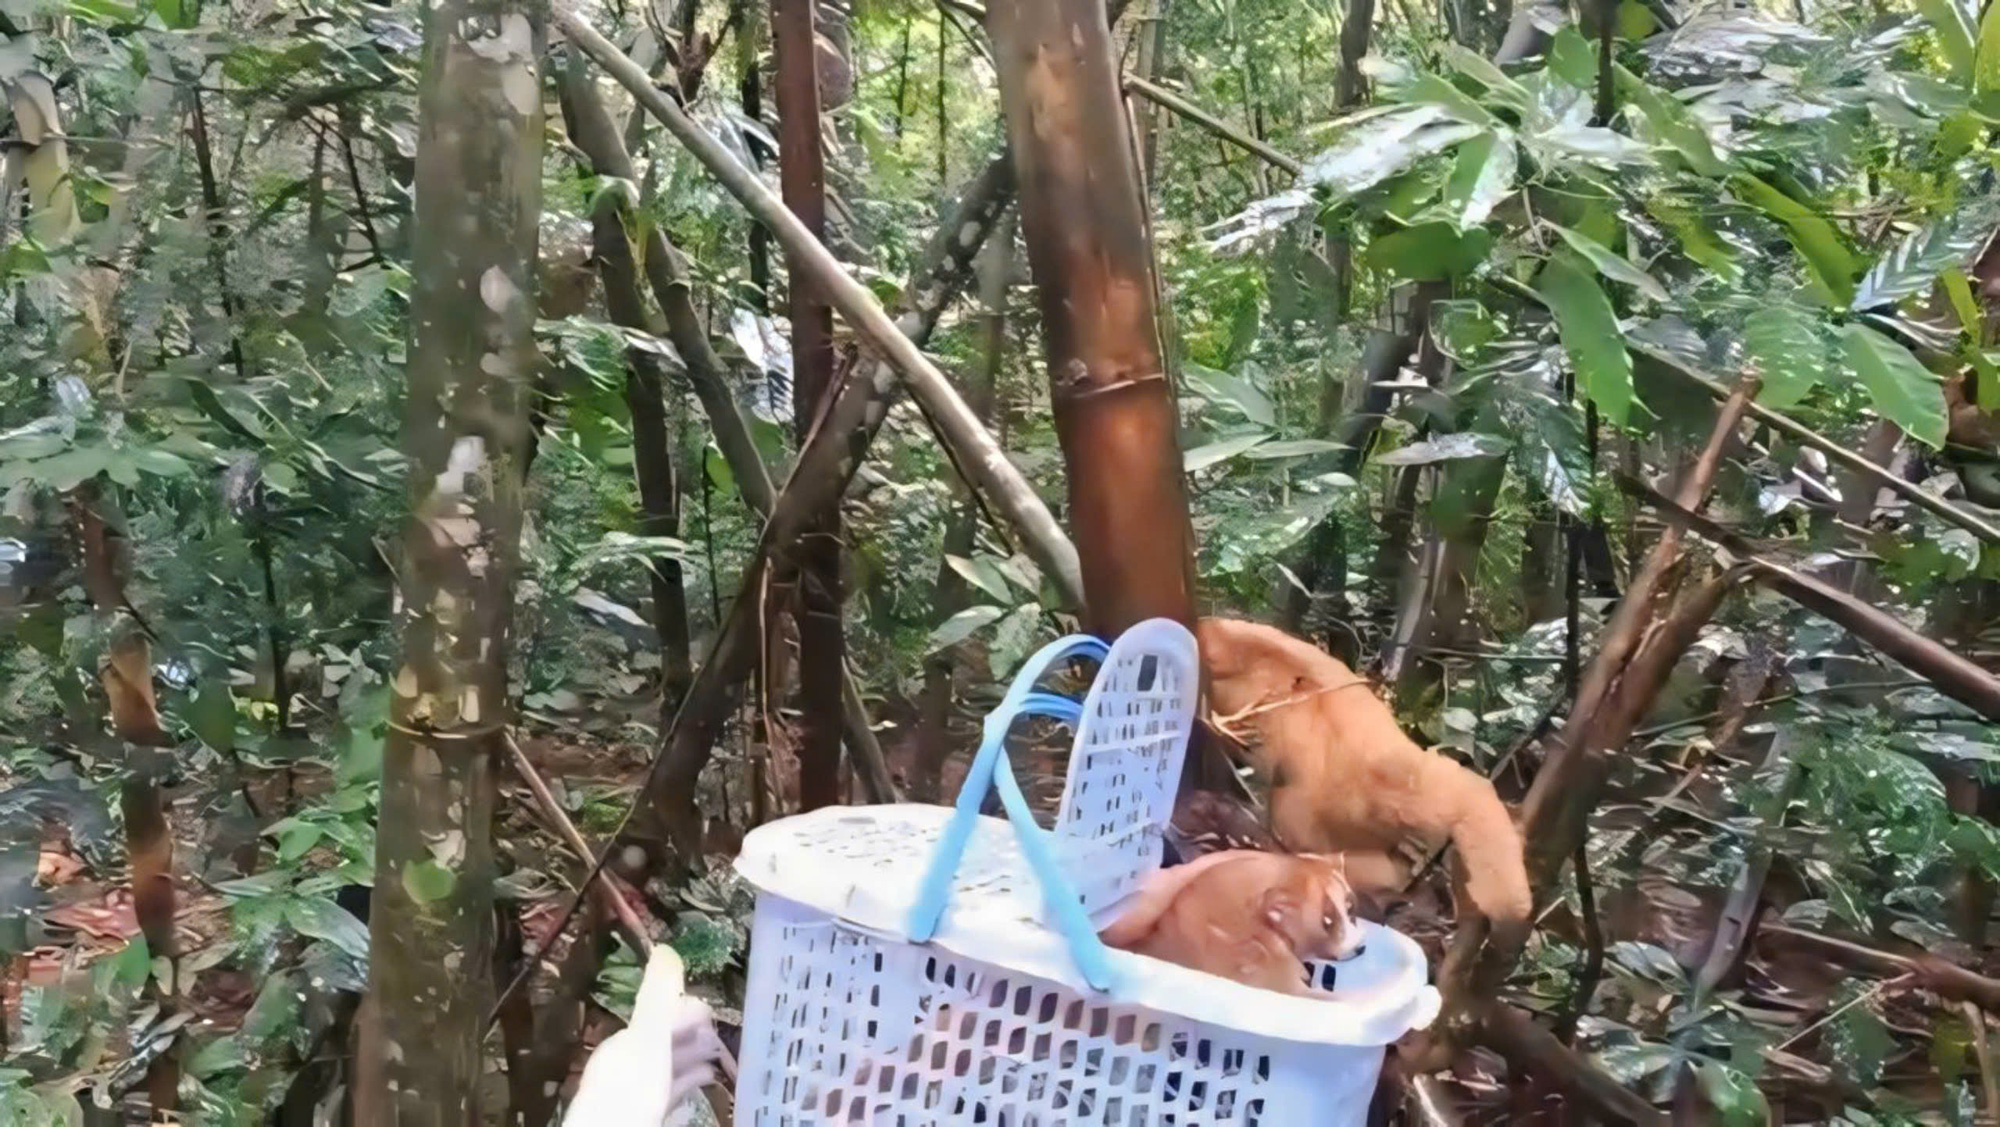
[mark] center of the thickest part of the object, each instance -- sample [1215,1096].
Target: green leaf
[428,881]
[1590,334]
[1675,124]
[1954,32]
[1480,69]
[962,625]
[1483,175]
[1380,143]
[1829,263]
[1612,265]
[1445,448]
[212,715]
[1430,251]
[983,574]
[321,918]
[1697,240]
[1733,1095]
[1916,260]
[1292,448]
[1014,638]
[1902,389]
[1986,61]
[1232,391]
[1790,356]
[1202,457]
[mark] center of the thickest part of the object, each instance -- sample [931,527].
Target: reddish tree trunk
[802,176]
[1083,216]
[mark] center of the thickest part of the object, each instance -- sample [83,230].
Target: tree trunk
[1082,213]
[802,176]
[652,445]
[472,356]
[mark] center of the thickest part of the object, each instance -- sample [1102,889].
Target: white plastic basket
[921,965]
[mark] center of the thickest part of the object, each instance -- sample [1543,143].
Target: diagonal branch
[977,454]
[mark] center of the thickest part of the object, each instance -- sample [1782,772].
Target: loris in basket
[1244,915]
[1343,775]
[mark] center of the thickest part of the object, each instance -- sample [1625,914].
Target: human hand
[642,1071]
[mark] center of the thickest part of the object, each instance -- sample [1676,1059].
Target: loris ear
[1278,906]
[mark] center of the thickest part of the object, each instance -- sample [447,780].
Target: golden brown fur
[1343,775]
[1244,915]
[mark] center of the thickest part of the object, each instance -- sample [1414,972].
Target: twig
[1950,672]
[1593,958]
[1988,1084]
[1939,976]
[1835,1012]
[636,932]
[1510,1031]
[991,471]
[1160,95]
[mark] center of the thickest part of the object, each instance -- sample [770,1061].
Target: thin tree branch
[978,454]
[1512,1032]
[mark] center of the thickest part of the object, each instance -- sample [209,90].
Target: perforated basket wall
[991,1018]
[858,1028]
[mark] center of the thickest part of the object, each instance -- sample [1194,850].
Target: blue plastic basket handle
[990,768]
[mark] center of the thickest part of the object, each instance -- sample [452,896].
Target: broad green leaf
[1970,319]
[981,573]
[427,881]
[1829,263]
[1902,389]
[1612,265]
[1910,266]
[1445,448]
[963,625]
[1437,91]
[1202,457]
[1986,61]
[1233,391]
[1697,241]
[1590,334]
[1733,1095]
[1292,448]
[1480,69]
[1430,251]
[1954,34]
[1674,123]
[321,918]
[1635,20]
[1483,175]
[1014,638]
[1378,146]
[1790,356]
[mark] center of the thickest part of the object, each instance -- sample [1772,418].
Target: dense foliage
[205,277]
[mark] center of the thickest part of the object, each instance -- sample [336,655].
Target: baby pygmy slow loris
[1244,915]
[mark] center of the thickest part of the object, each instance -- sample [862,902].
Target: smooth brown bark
[802,179]
[1083,217]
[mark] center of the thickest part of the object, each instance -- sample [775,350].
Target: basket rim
[1008,931]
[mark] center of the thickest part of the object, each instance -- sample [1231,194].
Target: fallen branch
[1511,1032]
[1942,977]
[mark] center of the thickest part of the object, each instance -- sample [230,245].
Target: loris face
[1242,671]
[1314,910]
